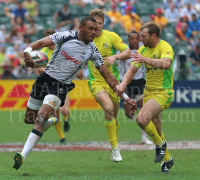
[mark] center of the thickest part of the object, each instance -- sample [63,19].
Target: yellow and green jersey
[49,52]
[158,78]
[108,44]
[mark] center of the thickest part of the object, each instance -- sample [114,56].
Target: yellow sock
[152,132]
[65,118]
[117,131]
[111,128]
[167,154]
[59,129]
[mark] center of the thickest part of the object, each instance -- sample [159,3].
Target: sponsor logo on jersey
[105,45]
[60,91]
[71,58]
[155,56]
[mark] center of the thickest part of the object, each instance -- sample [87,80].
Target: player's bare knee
[140,120]
[109,109]
[109,112]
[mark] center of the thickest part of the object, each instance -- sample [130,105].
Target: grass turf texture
[91,165]
[88,126]
[178,125]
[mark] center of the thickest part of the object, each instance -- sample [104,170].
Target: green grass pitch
[87,126]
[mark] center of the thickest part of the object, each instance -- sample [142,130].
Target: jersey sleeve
[96,56]
[61,37]
[167,52]
[118,43]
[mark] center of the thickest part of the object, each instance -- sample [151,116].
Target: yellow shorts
[164,97]
[96,86]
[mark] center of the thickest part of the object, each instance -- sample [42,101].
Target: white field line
[98,146]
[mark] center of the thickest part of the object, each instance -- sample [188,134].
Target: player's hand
[139,58]
[130,107]
[110,60]
[120,89]
[80,75]
[132,103]
[28,60]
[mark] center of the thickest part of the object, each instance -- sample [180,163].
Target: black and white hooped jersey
[70,55]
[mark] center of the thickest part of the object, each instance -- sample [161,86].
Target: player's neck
[155,43]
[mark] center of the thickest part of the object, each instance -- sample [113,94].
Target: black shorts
[45,85]
[136,87]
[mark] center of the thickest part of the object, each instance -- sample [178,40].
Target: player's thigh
[150,109]
[102,97]
[30,116]
[32,109]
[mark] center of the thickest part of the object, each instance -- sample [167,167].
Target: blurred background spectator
[18,11]
[114,14]
[188,11]
[194,25]
[24,21]
[64,16]
[160,18]
[172,13]
[32,8]
[184,33]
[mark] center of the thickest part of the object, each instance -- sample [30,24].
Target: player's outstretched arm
[126,54]
[128,77]
[108,76]
[44,42]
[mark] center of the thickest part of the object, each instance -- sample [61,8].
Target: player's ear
[154,35]
[80,27]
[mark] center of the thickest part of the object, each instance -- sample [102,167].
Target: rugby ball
[40,58]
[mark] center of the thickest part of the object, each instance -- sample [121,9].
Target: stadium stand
[144,9]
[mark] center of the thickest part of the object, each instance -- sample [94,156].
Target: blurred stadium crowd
[22,22]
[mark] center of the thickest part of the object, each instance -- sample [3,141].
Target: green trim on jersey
[91,75]
[116,71]
[169,77]
[170,100]
[90,85]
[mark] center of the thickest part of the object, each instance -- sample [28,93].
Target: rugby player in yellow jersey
[108,43]
[65,109]
[158,57]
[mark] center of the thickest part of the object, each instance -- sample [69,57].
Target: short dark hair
[153,28]
[86,19]
[49,31]
[132,32]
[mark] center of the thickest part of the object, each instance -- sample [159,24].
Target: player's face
[88,31]
[134,40]
[100,25]
[145,37]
